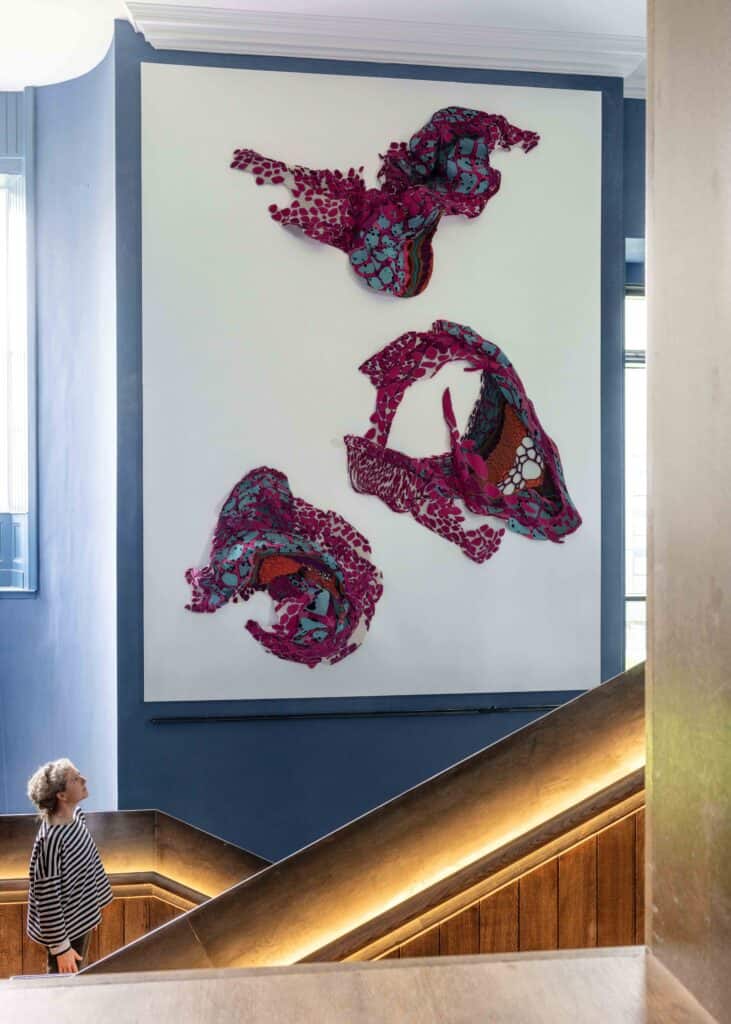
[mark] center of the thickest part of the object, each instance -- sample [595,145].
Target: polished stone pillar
[689,371]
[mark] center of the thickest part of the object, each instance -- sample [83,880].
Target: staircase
[159,868]
[534,842]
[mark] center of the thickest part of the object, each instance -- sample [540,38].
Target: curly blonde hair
[46,783]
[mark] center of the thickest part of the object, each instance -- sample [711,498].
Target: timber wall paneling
[125,919]
[591,895]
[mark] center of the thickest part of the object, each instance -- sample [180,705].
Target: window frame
[632,358]
[18,112]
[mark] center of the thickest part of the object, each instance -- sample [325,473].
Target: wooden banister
[302,904]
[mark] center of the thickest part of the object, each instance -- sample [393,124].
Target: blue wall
[277,783]
[58,648]
[633,199]
[634,184]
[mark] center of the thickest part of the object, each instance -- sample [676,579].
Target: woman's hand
[67,962]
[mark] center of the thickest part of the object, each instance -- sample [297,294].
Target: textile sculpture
[387,232]
[314,564]
[505,465]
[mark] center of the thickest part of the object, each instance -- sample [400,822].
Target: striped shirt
[68,886]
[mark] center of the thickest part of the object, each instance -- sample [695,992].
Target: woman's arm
[46,883]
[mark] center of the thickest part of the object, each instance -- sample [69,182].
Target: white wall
[252,336]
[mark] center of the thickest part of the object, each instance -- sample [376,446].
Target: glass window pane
[13,348]
[635,377]
[635,632]
[18,540]
[635,439]
[635,323]
[4,356]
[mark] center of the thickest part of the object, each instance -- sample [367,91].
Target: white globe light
[45,41]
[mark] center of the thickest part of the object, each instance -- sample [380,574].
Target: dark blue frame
[134,714]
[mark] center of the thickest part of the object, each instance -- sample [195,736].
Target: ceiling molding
[171,26]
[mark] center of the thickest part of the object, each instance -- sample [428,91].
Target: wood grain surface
[577,897]
[460,934]
[499,921]
[123,921]
[640,861]
[538,908]
[491,873]
[557,905]
[161,912]
[35,957]
[616,884]
[11,939]
[136,918]
[111,930]
[423,945]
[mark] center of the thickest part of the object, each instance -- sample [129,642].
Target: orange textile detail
[315,577]
[276,565]
[501,459]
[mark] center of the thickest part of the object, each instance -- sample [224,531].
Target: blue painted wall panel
[634,169]
[58,647]
[274,786]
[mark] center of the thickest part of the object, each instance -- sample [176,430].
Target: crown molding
[171,26]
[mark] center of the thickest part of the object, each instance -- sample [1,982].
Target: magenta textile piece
[314,564]
[505,465]
[387,232]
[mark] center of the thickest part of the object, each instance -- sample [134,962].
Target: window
[17,384]
[635,404]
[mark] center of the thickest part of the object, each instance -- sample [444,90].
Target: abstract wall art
[387,232]
[313,564]
[250,338]
[505,465]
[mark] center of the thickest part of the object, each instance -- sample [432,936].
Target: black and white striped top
[68,886]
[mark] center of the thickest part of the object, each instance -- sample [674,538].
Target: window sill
[17,592]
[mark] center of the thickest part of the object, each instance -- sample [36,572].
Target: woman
[68,886]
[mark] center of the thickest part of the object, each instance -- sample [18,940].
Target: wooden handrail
[484,876]
[137,843]
[302,904]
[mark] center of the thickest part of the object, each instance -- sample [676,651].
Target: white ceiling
[621,18]
[45,41]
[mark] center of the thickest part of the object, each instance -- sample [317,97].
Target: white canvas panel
[252,336]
